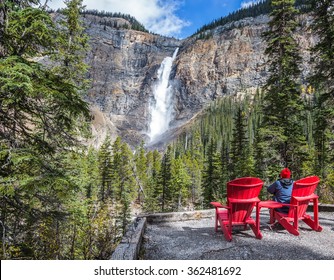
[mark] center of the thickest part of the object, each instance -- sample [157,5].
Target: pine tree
[194,167]
[38,125]
[322,80]
[116,165]
[72,46]
[105,169]
[153,191]
[124,184]
[239,145]
[141,170]
[282,103]
[165,178]
[323,54]
[194,163]
[212,186]
[179,186]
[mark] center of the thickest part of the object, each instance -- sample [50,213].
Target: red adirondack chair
[242,196]
[302,194]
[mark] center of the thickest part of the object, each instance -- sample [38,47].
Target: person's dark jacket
[282,189]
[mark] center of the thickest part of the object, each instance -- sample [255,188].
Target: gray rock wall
[123,66]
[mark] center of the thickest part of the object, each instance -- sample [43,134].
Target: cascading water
[161,110]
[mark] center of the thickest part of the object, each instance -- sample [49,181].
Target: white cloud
[246,4]
[158,16]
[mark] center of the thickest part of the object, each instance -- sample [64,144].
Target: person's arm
[272,188]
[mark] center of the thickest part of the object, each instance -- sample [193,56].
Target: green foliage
[165,179]
[28,31]
[153,189]
[241,154]
[283,106]
[39,124]
[212,175]
[180,185]
[140,170]
[322,81]
[105,169]
[123,183]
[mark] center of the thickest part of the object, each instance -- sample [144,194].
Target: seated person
[282,189]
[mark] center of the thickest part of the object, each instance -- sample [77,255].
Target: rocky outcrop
[124,66]
[231,61]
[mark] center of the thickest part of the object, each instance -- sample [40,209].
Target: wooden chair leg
[316,227]
[289,227]
[256,231]
[313,224]
[272,216]
[227,232]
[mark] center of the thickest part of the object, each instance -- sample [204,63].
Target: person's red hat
[286,173]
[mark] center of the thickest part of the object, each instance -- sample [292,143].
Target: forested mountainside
[67,192]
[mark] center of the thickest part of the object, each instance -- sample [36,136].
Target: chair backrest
[241,189]
[301,188]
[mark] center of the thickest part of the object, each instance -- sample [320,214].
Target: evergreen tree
[141,170]
[282,103]
[323,54]
[124,184]
[153,190]
[105,169]
[239,145]
[180,184]
[194,168]
[225,167]
[193,160]
[116,167]
[72,46]
[323,81]
[38,125]
[212,187]
[165,178]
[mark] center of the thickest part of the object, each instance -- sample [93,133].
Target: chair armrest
[289,205]
[305,198]
[249,200]
[219,205]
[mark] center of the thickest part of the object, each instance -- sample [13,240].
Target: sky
[176,18]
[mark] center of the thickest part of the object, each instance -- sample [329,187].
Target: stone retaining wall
[129,247]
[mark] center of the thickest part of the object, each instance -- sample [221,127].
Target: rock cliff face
[124,66]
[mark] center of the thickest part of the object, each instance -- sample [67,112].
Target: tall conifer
[165,178]
[105,169]
[212,185]
[239,145]
[153,191]
[282,103]
[38,124]
[323,82]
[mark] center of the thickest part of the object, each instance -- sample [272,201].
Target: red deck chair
[302,194]
[242,196]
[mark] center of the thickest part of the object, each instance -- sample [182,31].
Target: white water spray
[161,110]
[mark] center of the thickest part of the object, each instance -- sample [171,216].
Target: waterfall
[161,110]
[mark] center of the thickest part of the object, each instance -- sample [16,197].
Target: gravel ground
[197,240]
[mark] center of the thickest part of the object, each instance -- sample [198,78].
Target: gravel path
[197,240]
